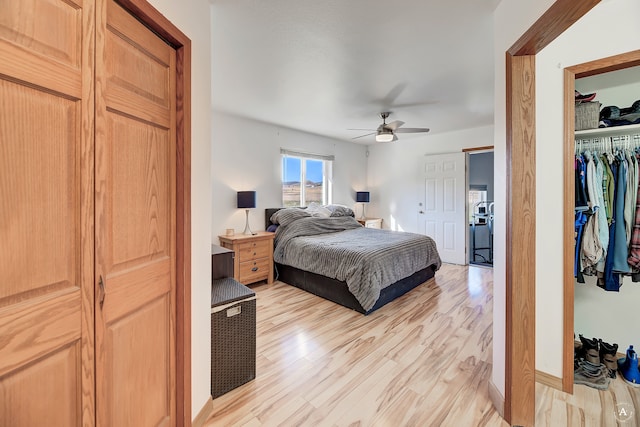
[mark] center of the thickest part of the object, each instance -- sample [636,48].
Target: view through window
[477,194]
[305,179]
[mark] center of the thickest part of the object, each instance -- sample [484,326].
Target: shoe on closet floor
[590,350]
[628,367]
[592,375]
[608,358]
[577,352]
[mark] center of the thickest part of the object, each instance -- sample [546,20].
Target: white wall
[192,18]
[620,88]
[395,173]
[616,31]
[245,155]
[511,19]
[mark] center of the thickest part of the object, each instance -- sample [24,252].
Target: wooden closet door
[46,213]
[135,222]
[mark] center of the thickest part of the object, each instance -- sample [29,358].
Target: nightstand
[370,222]
[253,256]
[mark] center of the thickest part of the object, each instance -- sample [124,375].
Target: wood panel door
[135,222]
[46,213]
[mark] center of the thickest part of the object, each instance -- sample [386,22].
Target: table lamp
[247,200]
[362,197]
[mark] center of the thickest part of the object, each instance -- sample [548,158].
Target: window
[477,194]
[306,178]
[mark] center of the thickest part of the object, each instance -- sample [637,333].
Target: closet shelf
[610,131]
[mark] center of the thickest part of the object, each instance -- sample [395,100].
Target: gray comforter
[366,259]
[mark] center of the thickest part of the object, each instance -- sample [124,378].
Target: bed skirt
[338,292]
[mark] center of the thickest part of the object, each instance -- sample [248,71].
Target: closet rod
[610,143]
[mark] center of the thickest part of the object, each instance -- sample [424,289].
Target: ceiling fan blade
[395,138]
[394,125]
[362,136]
[393,94]
[412,130]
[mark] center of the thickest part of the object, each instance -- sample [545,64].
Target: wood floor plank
[422,359]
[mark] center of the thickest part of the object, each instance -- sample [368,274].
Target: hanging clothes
[620,250]
[611,280]
[634,247]
[607,211]
[603,226]
[591,246]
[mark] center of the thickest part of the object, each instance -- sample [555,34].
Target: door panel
[40,190]
[144,236]
[33,30]
[56,375]
[144,332]
[135,222]
[444,215]
[46,213]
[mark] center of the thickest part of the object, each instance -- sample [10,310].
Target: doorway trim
[520,225]
[152,18]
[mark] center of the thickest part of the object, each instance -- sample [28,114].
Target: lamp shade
[246,199]
[362,196]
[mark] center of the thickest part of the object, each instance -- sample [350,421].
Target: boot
[591,375]
[590,350]
[628,367]
[577,352]
[608,354]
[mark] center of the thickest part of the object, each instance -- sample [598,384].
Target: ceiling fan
[386,132]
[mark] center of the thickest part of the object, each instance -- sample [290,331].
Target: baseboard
[549,380]
[496,398]
[204,413]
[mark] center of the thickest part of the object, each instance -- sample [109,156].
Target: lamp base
[362,217]
[247,229]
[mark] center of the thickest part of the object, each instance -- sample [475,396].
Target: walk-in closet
[607,219]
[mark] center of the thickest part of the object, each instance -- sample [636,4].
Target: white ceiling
[331,65]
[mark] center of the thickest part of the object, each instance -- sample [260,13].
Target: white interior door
[443,215]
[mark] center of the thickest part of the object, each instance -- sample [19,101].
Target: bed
[338,259]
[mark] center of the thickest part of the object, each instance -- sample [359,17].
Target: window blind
[292,153]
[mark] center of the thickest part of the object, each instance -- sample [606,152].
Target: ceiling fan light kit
[386,132]
[384,136]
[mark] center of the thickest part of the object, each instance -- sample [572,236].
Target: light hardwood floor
[422,360]
[588,407]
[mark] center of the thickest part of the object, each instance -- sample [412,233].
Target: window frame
[327,175]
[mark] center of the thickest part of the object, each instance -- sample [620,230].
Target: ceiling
[328,66]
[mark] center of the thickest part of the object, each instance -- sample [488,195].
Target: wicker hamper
[587,115]
[233,335]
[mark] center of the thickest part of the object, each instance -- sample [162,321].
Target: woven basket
[587,115]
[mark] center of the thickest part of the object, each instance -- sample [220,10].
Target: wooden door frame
[519,407]
[153,19]
[600,66]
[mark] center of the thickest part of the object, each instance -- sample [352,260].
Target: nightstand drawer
[253,250]
[371,222]
[253,271]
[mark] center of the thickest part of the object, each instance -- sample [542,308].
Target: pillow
[288,215]
[272,228]
[318,211]
[340,210]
